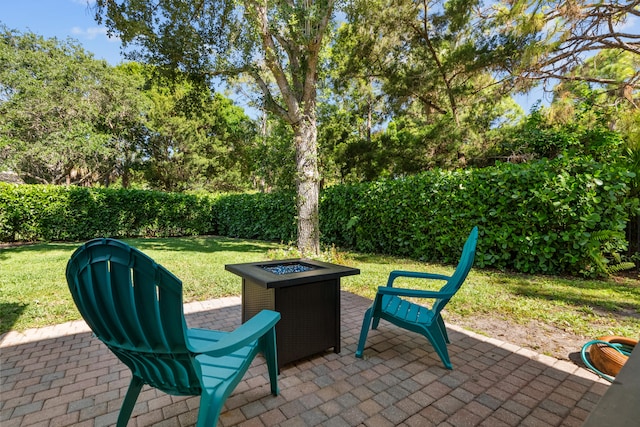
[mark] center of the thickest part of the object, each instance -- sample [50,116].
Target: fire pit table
[307,295]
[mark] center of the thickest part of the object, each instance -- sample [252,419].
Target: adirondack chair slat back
[462,270]
[134,306]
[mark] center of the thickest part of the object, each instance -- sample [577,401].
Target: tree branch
[292,114]
[583,28]
[424,33]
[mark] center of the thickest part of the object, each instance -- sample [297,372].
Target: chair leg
[443,328]
[129,401]
[377,305]
[376,322]
[271,356]
[366,324]
[210,407]
[438,342]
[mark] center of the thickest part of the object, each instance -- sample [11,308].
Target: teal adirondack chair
[134,306]
[390,305]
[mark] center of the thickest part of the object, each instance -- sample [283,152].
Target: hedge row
[47,212]
[263,216]
[543,217]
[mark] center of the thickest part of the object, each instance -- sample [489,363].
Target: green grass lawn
[33,289]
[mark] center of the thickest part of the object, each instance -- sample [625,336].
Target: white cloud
[91,33]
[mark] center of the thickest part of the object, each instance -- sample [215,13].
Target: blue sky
[61,19]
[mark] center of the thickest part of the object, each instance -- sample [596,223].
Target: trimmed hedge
[263,216]
[47,212]
[552,217]
[543,217]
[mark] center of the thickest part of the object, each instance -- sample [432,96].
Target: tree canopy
[68,118]
[63,114]
[567,33]
[277,44]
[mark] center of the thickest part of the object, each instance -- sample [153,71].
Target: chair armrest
[245,334]
[415,275]
[415,293]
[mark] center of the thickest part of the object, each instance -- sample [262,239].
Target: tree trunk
[308,184]
[126,173]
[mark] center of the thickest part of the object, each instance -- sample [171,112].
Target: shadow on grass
[38,247]
[621,298]
[204,244]
[207,244]
[9,314]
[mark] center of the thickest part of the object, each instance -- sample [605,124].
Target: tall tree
[435,61]
[63,115]
[277,43]
[195,139]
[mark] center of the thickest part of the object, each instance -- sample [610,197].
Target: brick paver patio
[62,376]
